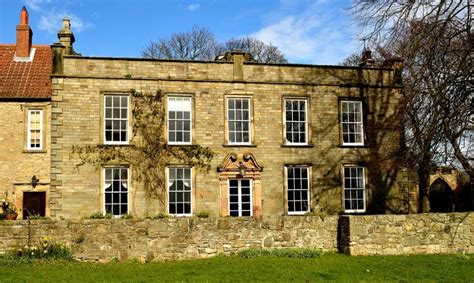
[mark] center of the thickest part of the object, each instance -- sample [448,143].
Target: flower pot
[11,216]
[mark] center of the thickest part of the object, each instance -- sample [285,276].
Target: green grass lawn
[333,267]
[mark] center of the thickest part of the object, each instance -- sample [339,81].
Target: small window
[352,123]
[297,179]
[296,122]
[179,191]
[35,129]
[240,197]
[179,120]
[116,190]
[354,189]
[116,119]
[238,119]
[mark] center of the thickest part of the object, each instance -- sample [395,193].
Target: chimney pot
[66,23]
[24,16]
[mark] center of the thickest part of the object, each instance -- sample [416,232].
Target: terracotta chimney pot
[24,16]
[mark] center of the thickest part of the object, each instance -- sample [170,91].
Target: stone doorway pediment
[244,166]
[233,164]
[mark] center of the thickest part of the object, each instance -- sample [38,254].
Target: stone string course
[189,238]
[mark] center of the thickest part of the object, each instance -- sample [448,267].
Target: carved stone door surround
[243,166]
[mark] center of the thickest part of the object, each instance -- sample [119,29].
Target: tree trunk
[423,184]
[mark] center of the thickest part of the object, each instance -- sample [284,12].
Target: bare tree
[196,44]
[435,40]
[200,44]
[260,51]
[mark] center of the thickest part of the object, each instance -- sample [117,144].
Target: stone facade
[80,83]
[189,238]
[19,164]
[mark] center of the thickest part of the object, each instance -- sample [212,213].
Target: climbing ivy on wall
[148,153]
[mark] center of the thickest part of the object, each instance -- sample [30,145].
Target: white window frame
[352,210]
[104,188]
[239,196]
[357,124]
[287,142]
[308,189]
[190,192]
[234,120]
[29,130]
[105,119]
[181,110]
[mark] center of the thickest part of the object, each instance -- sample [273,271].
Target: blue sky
[312,32]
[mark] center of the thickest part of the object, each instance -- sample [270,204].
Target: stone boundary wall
[188,238]
[172,238]
[428,233]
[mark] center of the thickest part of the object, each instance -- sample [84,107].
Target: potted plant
[9,210]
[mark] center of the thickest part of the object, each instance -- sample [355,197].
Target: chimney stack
[23,36]
[66,37]
[367,60]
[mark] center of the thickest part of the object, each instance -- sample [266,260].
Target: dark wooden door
[34,203]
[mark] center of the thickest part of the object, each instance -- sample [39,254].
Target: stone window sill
[34,151]
[298,145]
[114,145]
[239,145]
[355,146]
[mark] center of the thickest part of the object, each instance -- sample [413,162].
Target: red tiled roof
[25,79]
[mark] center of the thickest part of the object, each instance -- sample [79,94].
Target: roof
[25,80]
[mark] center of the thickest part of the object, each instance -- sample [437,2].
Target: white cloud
[52,14]
[36,5]
[193,7]
[317,35]
[291,35]
[52,22]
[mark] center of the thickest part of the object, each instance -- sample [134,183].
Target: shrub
[7,207]
[161,215]
[288,253]
[79,239]
[253,253]
[463,256]
[134,260]
[126,216]
[46,250]
[37,217]
[203,214]
[100,215]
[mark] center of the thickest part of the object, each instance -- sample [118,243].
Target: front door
[240,197]
[34,203]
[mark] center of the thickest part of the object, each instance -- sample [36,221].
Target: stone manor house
[288,139]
